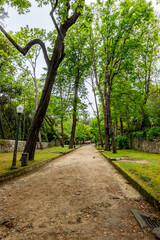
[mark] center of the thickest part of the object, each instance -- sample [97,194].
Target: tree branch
[70,21]
[48,120]
[25,50]
[120,59]
[53,19]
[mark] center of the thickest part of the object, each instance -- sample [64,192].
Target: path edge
[21,171]
[148,196]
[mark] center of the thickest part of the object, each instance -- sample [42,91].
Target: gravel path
[79,196]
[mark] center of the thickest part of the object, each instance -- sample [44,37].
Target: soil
[79,196]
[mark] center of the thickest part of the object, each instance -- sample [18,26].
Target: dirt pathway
[79,196]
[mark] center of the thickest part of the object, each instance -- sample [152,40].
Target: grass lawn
[146,174]
[40,155]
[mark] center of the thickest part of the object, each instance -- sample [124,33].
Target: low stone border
[20,171]
[153,201]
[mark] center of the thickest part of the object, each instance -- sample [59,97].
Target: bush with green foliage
[152,133]
[140,135]
[148,134]
[122,142]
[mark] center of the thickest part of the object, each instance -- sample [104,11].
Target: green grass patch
[134,154]
[40,156]
[146,174]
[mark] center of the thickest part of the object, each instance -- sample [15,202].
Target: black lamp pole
[16,142]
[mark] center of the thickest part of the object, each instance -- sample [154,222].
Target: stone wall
[146,146]
[8,145]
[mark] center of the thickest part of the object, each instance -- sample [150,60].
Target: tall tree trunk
[57,57]
[114,148]
[71,143]
[24,122]
[62,132]
[121,125]
[99,127]
[36,89]
[106,129]
[106,126]
[107,95]
[62,114]
[106,108]
[1,128]
[116,128]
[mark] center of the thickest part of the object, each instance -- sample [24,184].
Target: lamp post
[19,111]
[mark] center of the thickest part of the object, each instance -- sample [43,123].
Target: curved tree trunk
[41,111]
[57,57]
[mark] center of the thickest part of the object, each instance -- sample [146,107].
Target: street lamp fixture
[19,111]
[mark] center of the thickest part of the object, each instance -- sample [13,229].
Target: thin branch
[25,50]
[53,19]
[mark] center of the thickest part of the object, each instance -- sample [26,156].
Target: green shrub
[122,142]
[148,134]
[152,133]
[139,135]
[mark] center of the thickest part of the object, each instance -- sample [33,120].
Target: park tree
[28,64]
[67,13]
[93,85]
[132,86]
[118,27]
[78,64]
